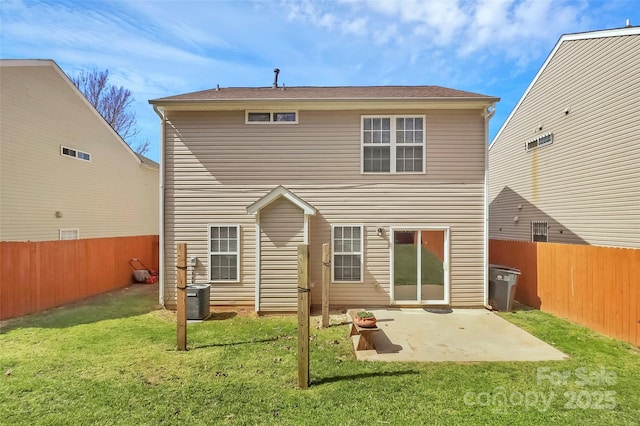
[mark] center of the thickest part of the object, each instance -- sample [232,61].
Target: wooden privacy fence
[35,276]
[598,287]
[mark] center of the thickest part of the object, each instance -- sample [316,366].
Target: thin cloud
[158,49]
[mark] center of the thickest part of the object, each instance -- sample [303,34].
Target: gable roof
[616,32]
[274,194]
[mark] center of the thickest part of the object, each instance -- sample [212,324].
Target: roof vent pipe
[275,80]
[628,23]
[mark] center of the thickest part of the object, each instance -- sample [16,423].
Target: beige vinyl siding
[216,166]
[188,214]
[281,232]
[111,195]
[585,184]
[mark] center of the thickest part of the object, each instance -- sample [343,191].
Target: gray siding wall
[216,166]
[585,185]
[112,195]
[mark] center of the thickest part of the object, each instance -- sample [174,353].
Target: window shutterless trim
[353,253]
[64,232]
[65,151]
[445,264]
[223,253]
[539,141]
[393,145]
[271,116]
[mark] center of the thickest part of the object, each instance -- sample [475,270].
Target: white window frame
[546,228]
[393,146]
[63,234]
[272,114]
[226,253]
[538,142]
[355,253]
[77,154]
[445,264]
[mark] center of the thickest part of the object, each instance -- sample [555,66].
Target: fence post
[326,280]
[181,312]
[303,316]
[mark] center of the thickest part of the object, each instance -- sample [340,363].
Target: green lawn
[113,361]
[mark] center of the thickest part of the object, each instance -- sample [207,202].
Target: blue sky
[161,48]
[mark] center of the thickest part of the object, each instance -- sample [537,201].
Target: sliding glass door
[420,259]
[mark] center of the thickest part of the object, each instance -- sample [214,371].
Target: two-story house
[64,172]
[565,166]
[393,177]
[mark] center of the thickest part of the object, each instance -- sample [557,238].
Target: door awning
[274,194]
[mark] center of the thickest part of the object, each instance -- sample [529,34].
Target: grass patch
[117,365]
[405,266]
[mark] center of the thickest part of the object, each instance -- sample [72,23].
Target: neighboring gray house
[64,172]
[393,177]
[565,166]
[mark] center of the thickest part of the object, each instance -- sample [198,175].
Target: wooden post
[181,313]
[326,280]
[303,316]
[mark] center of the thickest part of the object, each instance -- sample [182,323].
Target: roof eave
[322,103]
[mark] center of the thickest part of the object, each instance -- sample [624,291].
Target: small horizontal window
[539,141]
[70,152]
[69,234]
[258,116]
[271,117]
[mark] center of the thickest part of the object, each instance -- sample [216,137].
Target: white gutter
[490,110]
[161,214]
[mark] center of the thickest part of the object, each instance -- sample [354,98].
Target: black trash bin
[502,286]
[198,301]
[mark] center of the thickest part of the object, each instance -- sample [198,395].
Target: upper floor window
[271,117]
[70,152]
[541,140]
[393,144]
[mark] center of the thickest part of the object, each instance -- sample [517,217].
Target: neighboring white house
[565,166]
[64,172]
[392,177]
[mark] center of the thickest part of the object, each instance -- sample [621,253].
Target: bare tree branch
[141,147]
[113,103]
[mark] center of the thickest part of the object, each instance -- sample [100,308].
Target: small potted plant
[365,319]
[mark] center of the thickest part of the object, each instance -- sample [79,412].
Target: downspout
[488,113]
[161,213]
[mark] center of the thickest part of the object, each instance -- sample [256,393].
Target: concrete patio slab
[436,335]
